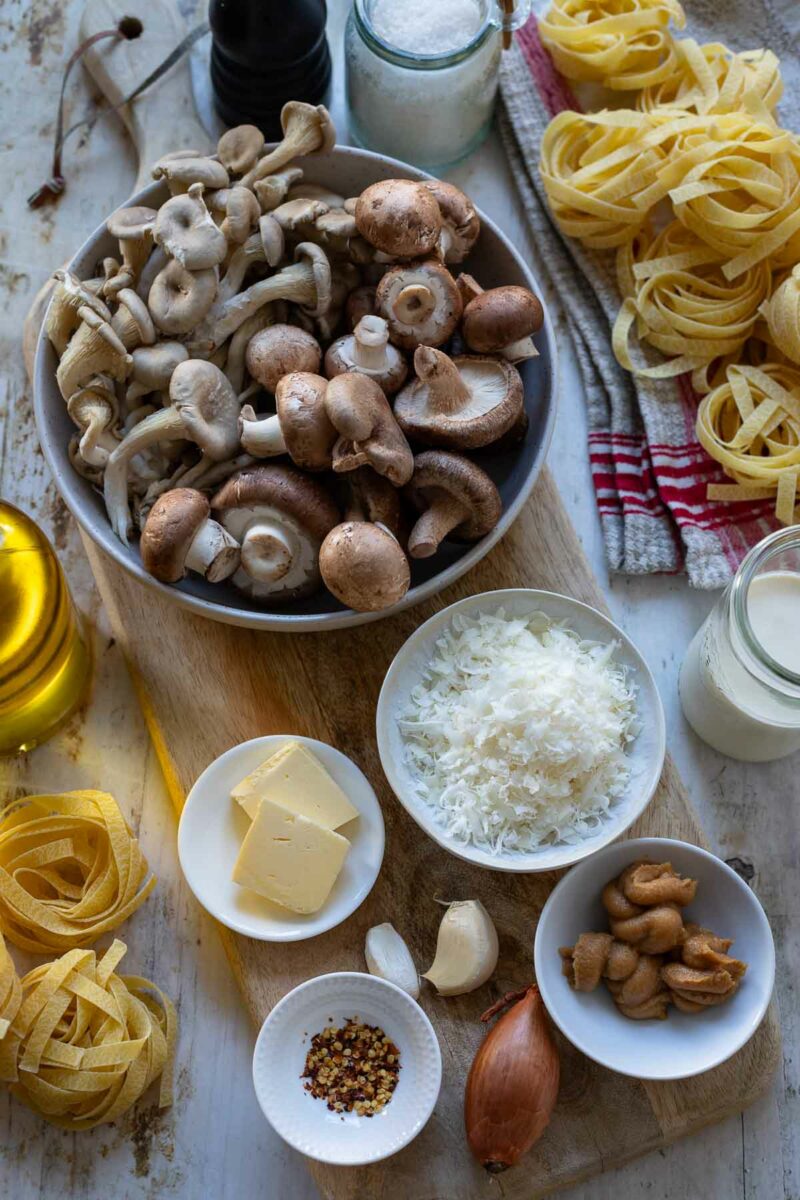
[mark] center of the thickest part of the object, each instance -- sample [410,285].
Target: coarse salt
[422,27]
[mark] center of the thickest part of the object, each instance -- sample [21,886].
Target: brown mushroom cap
[371,497]
[421,303]
[461,225]
[307,431]
[279,350]
[368,432]
[500,316]
[171,525]
[283,488]
[399,217]
[364,566]
[461,403]
[455,496]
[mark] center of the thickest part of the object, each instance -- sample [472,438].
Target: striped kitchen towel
[650,473]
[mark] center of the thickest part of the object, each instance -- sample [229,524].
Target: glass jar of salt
[422,74]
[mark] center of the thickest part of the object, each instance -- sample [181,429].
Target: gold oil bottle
[45,662]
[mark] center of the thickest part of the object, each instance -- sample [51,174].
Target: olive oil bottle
[45,662]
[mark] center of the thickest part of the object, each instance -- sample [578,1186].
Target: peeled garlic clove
[388,957]
[466,949]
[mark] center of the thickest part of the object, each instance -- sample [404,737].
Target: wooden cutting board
[204,687]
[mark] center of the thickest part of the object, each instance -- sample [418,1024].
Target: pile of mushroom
[261,377]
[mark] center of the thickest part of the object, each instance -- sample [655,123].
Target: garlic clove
[466,949]
[388,957]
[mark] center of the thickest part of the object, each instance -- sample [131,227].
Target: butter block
[295,778]
[289,859]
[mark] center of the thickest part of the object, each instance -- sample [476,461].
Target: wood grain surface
[204,687]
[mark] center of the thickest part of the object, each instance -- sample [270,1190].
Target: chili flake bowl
[305,1122]
[683,1044]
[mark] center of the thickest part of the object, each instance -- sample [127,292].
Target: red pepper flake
[353,1069]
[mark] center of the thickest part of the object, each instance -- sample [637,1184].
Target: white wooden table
[214,1142]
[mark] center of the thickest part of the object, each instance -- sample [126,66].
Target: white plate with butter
[214,826]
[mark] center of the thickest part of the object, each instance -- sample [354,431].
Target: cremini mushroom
[70,295]
[133,228]
[371,497]
[179,298]
[280,518]
[367,351]
[95,411]
[132,321]
[421,303]
[184,227]
[300,427]
[151,369]
[461,403]
[279,350]
[368,432]
[461,225]
[183,171]
[180,536]
[501,321]
[204,408]
[307,129]
[455,497]
[399,217]
[94,349]
[363,566]
[237,347]
[239,148]
[360,303]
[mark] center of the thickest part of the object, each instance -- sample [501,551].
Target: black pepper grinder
[264,53]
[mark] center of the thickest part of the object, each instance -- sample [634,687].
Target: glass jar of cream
[422,75]
[740,680]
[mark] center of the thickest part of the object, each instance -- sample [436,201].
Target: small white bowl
[646,751]
[305,1122]
[213,827]
[684,1044]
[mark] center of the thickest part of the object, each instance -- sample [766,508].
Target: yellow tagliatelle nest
[624,44]
[678,300]
[85,1043]
[10,1000]
[751,425]
[712,79]
[70,870]
[782,314]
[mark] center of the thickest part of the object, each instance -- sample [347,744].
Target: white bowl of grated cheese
[522,730]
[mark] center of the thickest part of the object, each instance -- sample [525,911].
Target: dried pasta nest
[10,1000]
[713,79]
[85,1043]
[782,315]
[624,44]
[70,870]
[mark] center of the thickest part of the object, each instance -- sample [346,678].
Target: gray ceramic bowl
[494,261]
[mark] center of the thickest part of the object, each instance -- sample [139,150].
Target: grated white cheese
[516,735]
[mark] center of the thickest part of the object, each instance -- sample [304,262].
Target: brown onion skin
[512,1085]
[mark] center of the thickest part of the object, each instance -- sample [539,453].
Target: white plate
[684,1044]
[305,1122]
[646,751]
[213,827]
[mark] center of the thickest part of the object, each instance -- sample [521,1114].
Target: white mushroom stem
[519,351]
[371,337]
[261,437]
[267,551]
[213,553]
[414,304]
[446,390]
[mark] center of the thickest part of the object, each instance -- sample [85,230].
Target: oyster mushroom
[421,304]
[132,322]
[461,225]
[363,566]
[185,229]
[501,321]
[179,298]
[306,282]
[280,350]
[152,368]
[156,262]
[307,129]
[133,228]
[299,428]
[204,408]
[367,351]
[70,295]
[461,403]
[94,410]
[294,214]
[368,432]
[280,519]
[94,349]
[455,496]
[304,190]
[183,171]
[179,536]
[242,213]
[238,148]
[399,217]
[273,189]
